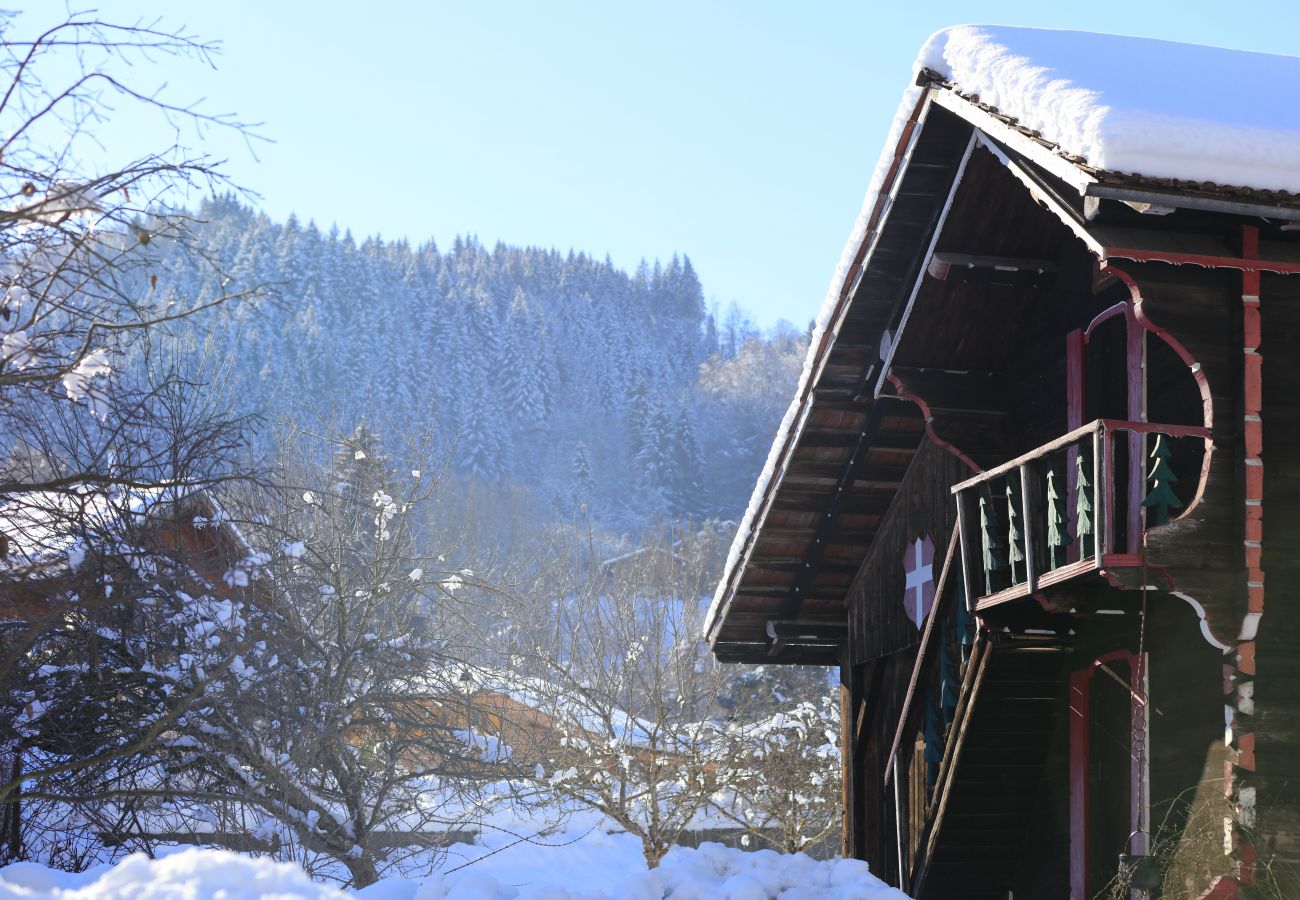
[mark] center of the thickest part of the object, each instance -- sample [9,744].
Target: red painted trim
[1202,383]
[1197,259]
[1253,508]
[1108,540]
[929,423]
[1136,354]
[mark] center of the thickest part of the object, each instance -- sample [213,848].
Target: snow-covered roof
[51,529]
[1133,105]
[1089,106]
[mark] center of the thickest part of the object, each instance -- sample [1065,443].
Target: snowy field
[576,865]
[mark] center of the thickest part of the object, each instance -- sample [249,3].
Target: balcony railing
[1078,504]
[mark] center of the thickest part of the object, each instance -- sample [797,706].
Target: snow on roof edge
[792,422]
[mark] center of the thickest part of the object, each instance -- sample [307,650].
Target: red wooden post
[1105,486]
[1080,757]
[1137,412]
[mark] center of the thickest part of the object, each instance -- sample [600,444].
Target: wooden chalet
[49,539]
[1043,461]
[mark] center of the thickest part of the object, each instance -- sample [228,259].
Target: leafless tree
[784,787]
[625,692]
[99,434]
[341,738]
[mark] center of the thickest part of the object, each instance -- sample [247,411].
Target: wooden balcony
[1076,506]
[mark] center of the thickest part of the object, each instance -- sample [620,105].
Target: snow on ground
[188,875]
[576,864]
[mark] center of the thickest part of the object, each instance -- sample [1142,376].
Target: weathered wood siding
[878,623]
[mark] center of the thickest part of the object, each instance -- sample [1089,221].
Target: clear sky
[742,134]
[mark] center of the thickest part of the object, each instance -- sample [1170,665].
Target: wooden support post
[1100,492]
[899,834]
[1080,734]
[1135,514]
[847,848]
[1030,508]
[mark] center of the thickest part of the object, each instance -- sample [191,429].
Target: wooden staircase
[992,772]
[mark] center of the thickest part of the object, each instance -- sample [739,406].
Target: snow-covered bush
[341,741]
[620,676]
[785,790]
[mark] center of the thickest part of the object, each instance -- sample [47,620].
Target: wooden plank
[952,756]
[967,551]
[935,611]
[921,273]
[1028,516]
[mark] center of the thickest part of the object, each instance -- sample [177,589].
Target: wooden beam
[942,265]
[980,654]
[762,592]
[816,501]
[921,652]
[787,635]
[952,390]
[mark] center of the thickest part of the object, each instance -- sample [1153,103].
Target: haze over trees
[251,552]
[612,396]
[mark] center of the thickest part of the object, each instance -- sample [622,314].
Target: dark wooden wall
[1277,685]
[878,623]
[1201,552]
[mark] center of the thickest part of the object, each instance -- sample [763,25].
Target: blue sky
[741,134]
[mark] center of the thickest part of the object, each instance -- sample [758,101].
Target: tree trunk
[11,828]
[362,869]
[654,853]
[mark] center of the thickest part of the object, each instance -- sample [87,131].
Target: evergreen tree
[1161,497]
[688,498]
[583,484]
[1058,528]
[993,546]
[1083,508]
[1015,529]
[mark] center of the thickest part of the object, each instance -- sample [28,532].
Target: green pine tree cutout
[1161,497]
[992,544]
[1015,531]
[1058,527]
[1083,525]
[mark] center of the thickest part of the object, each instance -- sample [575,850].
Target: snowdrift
[712,871]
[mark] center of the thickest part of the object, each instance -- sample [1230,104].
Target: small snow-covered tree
[341,740]
[115,629]
[784,789]
[618,670]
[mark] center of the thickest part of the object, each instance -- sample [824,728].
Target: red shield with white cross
[918,566]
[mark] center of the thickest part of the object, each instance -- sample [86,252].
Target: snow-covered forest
[621,396]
